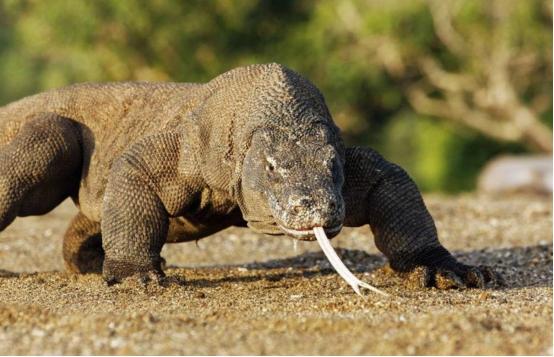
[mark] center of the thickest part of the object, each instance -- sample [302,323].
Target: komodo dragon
[155,163]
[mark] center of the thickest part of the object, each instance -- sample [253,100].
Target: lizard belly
[185,229]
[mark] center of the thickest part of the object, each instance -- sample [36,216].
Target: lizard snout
[308,211]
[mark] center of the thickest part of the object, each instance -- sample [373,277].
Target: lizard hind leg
[82,246]
[39,167]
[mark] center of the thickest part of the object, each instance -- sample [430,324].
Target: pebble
[199,295]
[485,295]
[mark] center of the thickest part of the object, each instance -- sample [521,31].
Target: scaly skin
[155,163]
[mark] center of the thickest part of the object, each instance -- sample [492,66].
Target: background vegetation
[438,86]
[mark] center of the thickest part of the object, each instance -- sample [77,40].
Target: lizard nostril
[301,205]
[297,209]
[332,205]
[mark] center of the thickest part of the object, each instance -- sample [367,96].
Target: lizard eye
[271,171]
[270,164]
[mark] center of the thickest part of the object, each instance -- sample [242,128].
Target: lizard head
[292,181]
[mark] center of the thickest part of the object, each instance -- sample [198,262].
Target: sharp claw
[161,280]
[144,279]
[446,279]
[488,273]
[499,280]
[474,278]
[491,276]
[111,281]
[151,276]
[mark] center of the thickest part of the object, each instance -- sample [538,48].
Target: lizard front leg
[145,188]
[381,194]
[134,224]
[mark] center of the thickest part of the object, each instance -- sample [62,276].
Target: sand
[238,292]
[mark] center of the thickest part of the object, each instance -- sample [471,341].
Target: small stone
[402,318]
[485,295]
[116,342]
[38,333]
[149,318]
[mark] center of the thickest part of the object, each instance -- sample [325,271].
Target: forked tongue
[339,266]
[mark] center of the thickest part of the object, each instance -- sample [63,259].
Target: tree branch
[456,110]
[442,20]
[484,99]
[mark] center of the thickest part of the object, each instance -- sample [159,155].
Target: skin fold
[155,163]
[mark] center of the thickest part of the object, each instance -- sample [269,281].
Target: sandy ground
[242,293]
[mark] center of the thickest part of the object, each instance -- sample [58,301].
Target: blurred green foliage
[359,53]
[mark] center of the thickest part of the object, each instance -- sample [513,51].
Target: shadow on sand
[519,266]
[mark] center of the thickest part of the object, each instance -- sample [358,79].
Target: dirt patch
[242,293]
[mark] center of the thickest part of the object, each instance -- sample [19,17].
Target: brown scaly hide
[150,163]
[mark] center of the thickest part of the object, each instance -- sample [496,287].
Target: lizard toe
[421,277]
[491,276]
[111,280]
[447,279]
[114,271]
[451,275]
[474,278]
[470,276]
[157,278]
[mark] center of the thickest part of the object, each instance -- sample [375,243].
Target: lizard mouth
[308,234]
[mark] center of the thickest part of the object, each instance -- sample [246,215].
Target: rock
[522,174]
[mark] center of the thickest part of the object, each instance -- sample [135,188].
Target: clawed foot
[115,271]
[453,276]
[144,278]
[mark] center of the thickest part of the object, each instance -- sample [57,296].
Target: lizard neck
[221,123]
